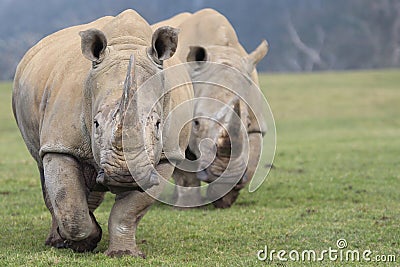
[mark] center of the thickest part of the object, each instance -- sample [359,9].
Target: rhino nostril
[196,125]
[158,123]
[100,177]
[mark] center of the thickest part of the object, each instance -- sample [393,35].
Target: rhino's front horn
[231,134]
[129,87]
[234,122]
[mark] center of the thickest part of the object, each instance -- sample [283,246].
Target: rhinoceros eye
[96,124]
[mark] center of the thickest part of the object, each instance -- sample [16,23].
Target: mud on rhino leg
[128,210]
[53,239]
[67,192]
[187,189]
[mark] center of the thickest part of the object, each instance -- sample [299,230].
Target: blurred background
[305,35]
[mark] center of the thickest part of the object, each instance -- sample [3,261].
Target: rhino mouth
[126,182]
[218,169]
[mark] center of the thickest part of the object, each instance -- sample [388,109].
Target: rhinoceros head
[217,139]
[224,126]
[115,108]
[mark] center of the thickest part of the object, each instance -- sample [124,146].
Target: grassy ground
[336,176]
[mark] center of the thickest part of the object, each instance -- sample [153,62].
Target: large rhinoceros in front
[70,109]
[208,37]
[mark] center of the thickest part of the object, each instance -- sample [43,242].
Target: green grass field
[336,175]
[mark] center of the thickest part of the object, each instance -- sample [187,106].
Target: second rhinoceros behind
[71,109]
[207,36]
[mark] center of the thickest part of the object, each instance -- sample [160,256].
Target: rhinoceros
[207,36]
[73,93]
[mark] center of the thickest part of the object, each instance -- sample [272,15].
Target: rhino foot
[227,200]
[120,253]
[88,244]
[55,240]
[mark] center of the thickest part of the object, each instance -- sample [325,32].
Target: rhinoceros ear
[164,43]
[259,53]
[197,53]
[93,44]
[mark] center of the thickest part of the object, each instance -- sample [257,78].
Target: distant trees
[305,35]
[345,34]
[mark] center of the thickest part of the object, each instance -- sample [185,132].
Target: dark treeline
[305,35]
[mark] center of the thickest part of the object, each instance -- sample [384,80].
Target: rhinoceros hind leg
[95,199]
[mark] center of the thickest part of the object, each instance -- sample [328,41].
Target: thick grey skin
[69,110]
[208,36]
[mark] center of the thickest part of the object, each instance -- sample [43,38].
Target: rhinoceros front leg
[128,209]
[66,190]
[187,190]
[53,239]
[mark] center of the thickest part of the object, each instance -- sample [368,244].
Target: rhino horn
[225,113]
[234,121]
[129,87]
[230,135]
